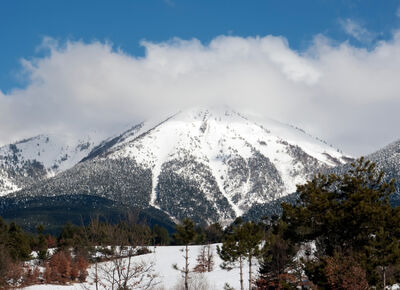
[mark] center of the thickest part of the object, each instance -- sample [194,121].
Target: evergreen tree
[347,213]
[382,252]
[160,235]
[276,260]
[18,243]
[243,242]
[214,233]
[231,252]
[251,235]
[42,244]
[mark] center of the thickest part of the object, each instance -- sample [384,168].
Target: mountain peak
[210,164]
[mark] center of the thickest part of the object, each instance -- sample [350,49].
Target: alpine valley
[207,164]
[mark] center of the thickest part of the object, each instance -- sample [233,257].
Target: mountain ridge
[208,164]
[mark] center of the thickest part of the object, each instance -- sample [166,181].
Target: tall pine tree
[347,213]
[242,243]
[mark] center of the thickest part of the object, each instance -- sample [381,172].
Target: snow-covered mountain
[207,164]
[31,160]
[388,159]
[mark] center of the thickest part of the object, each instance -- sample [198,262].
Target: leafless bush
[197,281]
[205,260]
[125,273]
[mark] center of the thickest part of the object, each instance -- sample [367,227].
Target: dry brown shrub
[344,272]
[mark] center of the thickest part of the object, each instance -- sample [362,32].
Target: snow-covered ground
[163,259]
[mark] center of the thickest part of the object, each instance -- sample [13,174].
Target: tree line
[66,257]
[342,233]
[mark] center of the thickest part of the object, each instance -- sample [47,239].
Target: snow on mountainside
[30,160]
[388,159]
[206,164]
[226,155]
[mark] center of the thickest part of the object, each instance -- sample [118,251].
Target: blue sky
[24,23]
[330,67]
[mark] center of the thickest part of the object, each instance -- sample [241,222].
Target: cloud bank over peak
[348,95]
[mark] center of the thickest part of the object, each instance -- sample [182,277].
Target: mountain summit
[207,164]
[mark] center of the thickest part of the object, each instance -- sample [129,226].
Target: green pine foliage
[18,243]
[185,233]
[347,213]
[160,236]
[241,243]
[277,258]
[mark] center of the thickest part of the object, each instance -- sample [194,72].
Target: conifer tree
[347,213]
[383,251]
[251,236]
[160,235]
[42,244]
[276,260]
[231,252]
[18,243]
[243,242]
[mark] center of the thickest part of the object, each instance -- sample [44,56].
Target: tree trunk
[113,280]
[208,258]
[96,277]
[186,267]
[250,278]
[384,277]
[241,272]
[126,279]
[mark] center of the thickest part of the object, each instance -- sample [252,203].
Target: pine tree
[160,235]
[276,260]
[347,213]
[18,243]
[42,243]
[243,242]
[383,251]
[251,236]
[231,252]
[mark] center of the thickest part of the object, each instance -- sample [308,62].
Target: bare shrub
[205,260]
[196,281]
[344,272]
[125,273]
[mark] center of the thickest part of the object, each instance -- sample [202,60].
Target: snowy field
[163,259]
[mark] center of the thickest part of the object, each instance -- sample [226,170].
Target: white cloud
[346,95]
[355,30]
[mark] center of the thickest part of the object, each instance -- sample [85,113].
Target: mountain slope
[207,164]
[225,154]
[387,159]
[31,160]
